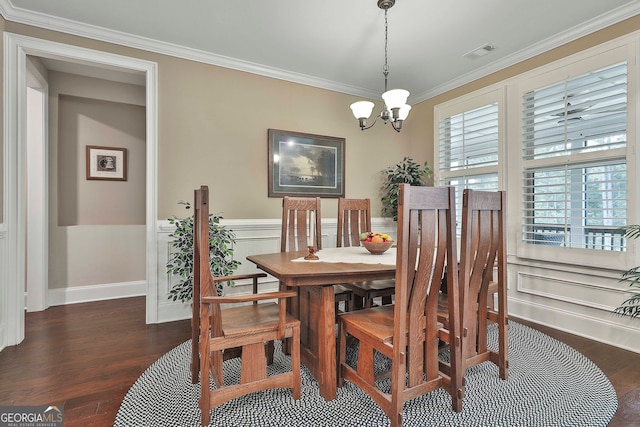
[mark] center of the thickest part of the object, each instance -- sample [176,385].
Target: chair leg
[357,302]
[342,352]
[195,350]
[215,367]
[269,349]
[367,301]
[295,362]
[205,402]
[396,419]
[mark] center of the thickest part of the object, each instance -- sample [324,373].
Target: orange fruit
[377,238]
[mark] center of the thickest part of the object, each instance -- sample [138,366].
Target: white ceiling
[335,44]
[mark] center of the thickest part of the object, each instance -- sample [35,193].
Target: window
[469,139]
[574,139]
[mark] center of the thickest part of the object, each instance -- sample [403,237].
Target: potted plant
[221,241]
[631,306]
[406,171]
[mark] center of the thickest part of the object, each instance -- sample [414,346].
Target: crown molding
[23,16]
[617,15]
[93,32]
[4,7]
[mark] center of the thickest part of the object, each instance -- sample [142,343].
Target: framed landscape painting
[305,165]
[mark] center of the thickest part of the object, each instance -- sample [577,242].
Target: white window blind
[470,139]
[574,157]
[468,151]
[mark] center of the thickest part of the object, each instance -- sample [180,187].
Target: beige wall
[213,130]
[86,122]
[97,231]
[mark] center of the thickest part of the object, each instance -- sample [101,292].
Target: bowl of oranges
[376,243]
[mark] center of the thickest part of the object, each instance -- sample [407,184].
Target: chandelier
[396,108]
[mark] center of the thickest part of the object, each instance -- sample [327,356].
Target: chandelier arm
[375,119]
[399,127]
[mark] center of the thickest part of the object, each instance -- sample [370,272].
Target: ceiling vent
[480,51]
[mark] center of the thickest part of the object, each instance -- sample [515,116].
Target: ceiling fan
[588,109]
[570,111]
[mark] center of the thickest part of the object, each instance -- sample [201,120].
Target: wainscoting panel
[600,295]
[578,303]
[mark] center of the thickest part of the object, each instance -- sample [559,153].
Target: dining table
[315,305]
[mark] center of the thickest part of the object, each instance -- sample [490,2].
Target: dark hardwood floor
[86,356]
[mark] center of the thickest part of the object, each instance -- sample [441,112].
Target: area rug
[550,384]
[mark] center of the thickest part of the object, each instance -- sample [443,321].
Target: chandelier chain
[385,69]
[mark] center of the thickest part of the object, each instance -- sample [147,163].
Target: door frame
[12,249]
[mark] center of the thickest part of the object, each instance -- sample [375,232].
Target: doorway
[13,251]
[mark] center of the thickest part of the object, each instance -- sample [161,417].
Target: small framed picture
[306,165]
[106,163]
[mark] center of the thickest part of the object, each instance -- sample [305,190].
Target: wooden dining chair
[408,331]
[228,322]
[301,228]
[354,218]
[229,353]
[483,250]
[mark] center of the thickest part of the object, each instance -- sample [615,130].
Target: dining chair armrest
[253,276]
[234,299]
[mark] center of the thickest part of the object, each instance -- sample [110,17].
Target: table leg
[317,336]
[327,343]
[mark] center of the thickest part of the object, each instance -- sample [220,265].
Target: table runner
[353,254]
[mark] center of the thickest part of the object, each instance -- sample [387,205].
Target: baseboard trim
[79,294]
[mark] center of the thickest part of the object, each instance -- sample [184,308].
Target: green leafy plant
[221,241]
[631,306]
[406,171]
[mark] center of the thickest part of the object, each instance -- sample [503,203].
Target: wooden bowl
[377,248]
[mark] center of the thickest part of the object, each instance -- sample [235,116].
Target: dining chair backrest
[483,250]
[301,224]
[426,247]
[354,218]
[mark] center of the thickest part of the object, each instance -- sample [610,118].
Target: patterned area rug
[550,384]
